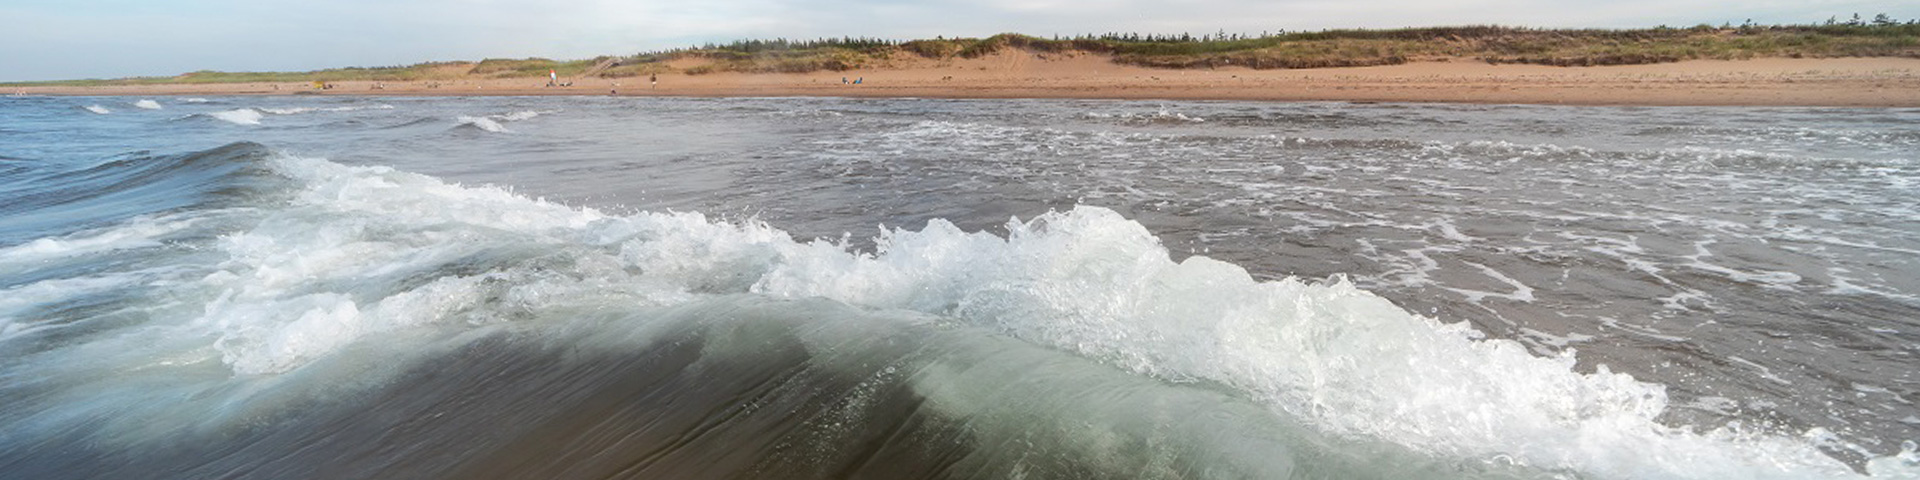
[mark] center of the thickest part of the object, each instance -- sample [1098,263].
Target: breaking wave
[482,123]
[329,286]
[242,116]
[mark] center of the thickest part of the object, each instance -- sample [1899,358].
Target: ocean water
[293,287]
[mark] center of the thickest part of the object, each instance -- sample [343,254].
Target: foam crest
[300,110]
[98,109]
[243,116]
[1161,116]
[496,123]
[1092,282]
[517,116]
[147,104]
[482,123]
[139,233]
[18,304]
[287,293]
[367,250]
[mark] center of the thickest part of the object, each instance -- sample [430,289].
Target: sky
[69,39]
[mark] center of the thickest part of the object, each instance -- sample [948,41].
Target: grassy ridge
[1344,48]
[1347,48]
[1330,48]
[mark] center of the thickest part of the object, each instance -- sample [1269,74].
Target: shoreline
[1827,82]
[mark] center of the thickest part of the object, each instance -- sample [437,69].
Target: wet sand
[1840,82]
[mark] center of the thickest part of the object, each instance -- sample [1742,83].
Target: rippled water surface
[829,288]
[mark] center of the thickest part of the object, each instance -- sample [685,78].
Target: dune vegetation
[1856,37]
[1347,48]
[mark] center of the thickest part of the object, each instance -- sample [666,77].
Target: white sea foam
[1844,283]
[482,123]
[193,100]
[300,110]
[300,285]
[517,116]
[805,113]
[1091,282]
[243,116]
[136,233]
[98,109]
[1162,116]
[147,104]
[17,304]
[496,123]
[1767,278]
[1521,292]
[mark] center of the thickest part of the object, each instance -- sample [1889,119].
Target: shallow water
[829,288]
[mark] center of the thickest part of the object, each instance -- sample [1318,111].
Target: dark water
[837,288]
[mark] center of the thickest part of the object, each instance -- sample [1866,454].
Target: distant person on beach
[843,80]
[655,78]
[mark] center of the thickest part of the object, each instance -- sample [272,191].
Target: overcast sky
[65,39]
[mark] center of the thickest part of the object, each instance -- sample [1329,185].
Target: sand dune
[1866,82]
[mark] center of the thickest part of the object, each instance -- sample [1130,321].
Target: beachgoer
[843,80]
[655,78]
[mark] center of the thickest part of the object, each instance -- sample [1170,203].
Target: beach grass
[1329,48]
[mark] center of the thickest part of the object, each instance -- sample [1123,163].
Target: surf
[278,296]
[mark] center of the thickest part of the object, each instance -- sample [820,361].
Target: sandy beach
[1838,82]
